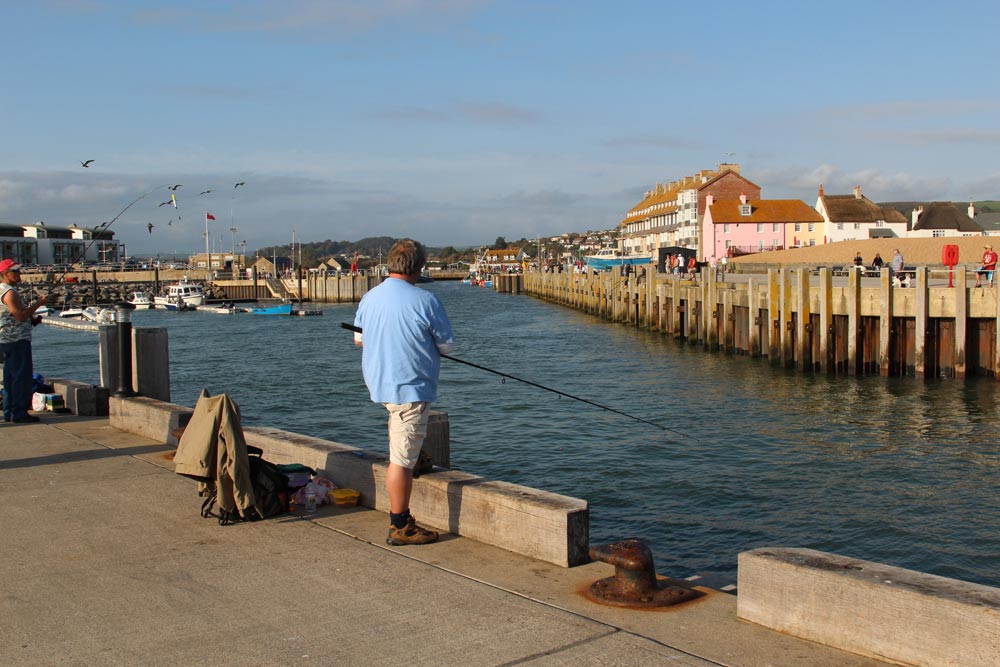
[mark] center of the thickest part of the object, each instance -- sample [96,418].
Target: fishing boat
[188,293]
[71,312]
[609,258]
[282,309]
[140,300]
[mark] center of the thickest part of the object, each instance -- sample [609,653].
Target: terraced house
[743,226]
[670,215]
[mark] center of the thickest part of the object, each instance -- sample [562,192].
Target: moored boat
[99,315]
[188,293]
[282,309]
[609,258]
[140,300]
[220,309]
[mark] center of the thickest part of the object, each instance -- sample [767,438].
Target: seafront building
[669,216]
[39,243]
[743,226]
[855,217]
[676,215]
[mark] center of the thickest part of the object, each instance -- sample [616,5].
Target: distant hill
[315,252]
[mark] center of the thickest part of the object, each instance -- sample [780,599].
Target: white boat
[222,309]
[71,312]
[183,292]
[99,315]
[609,258]
[140,300]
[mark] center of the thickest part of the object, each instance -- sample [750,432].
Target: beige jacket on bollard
[214,452]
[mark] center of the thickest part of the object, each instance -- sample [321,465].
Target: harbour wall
[796,319]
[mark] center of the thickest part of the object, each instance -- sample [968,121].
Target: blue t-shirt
[403,328]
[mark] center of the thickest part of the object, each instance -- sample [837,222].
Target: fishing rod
[104,227]
[351,327]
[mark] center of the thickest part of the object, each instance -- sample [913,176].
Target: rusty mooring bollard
[635,583]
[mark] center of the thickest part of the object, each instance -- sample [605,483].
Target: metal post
[123,319]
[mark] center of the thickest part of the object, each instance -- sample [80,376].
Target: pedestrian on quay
[989,266]
[404,332]
[878,262]
[16,321]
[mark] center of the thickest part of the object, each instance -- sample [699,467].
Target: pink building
[743,226]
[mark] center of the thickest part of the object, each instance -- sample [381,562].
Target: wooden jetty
[920,330]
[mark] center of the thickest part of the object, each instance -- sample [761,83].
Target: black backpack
[270,492]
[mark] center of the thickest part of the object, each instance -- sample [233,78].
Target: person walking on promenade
[404,332]
[16,320]
[878,262]
[988,267]
[897,260]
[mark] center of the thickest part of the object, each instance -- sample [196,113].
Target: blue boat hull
[284,309]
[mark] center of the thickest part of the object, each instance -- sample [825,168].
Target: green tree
[499,244]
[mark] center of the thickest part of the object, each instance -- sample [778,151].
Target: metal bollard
[123,320]
[635,584]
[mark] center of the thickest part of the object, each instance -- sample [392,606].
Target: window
[798,226]
[857,225]
[939,233]
[810,226]
[812,242]
[760,228]
[745,210]
[840,226]
[725,228]
[774,227]
[760,245]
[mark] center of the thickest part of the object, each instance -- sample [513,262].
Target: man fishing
[405,329]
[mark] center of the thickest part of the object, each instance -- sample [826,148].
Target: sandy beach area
[916,252]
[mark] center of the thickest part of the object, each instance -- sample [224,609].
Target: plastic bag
[319,486]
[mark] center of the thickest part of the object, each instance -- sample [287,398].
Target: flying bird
[149,226]
[170,222]
[86,163]
[174,187]
[166,203]
[205,192]
[239,184]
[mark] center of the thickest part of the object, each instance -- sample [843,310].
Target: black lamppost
[123,320]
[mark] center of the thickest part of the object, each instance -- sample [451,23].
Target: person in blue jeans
[16,320]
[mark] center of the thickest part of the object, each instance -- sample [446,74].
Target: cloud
[905,109]
[877,185]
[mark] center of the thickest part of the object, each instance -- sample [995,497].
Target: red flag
[209,216]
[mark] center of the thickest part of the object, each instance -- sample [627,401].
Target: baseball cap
[9,265]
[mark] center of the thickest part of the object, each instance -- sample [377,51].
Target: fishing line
[97,236]
[504,376]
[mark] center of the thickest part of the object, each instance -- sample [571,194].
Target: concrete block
[148,417]
[872,609]
[437,444]
[81,398]
[542,525]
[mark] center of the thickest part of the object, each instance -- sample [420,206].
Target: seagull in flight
[149,226]
[170,222]
[239,184]
[205,192]
[174,187]
[166,203]
[86,163]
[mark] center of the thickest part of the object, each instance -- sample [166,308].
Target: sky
[457,121]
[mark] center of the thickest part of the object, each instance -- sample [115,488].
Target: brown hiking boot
[411,533]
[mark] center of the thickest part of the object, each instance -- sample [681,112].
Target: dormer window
[745,210]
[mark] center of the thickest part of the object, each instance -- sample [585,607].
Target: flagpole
[208,258]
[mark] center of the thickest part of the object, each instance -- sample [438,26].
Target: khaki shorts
[407,430]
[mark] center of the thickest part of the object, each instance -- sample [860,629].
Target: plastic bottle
[310,500]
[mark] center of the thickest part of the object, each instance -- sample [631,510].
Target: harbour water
[893,470]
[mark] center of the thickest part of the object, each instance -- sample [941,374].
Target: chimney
[972,210]
[857,192]
[743,198]
[820,189]
[915,216]
[709,200]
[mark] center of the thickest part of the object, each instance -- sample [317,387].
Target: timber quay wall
[804,322]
